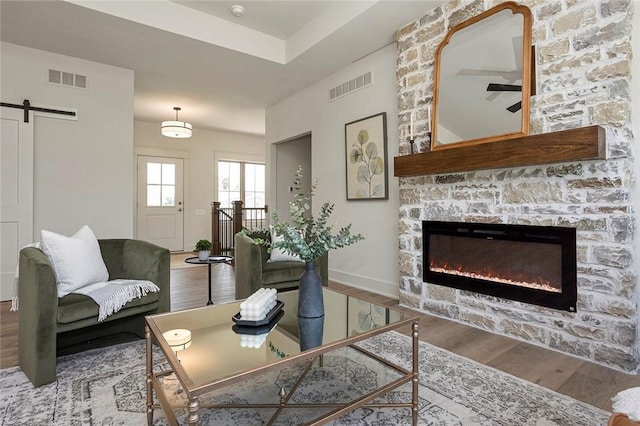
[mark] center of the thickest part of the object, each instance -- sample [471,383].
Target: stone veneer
[583,53]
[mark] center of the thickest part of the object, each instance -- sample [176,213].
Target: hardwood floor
[565,374]
[8,336]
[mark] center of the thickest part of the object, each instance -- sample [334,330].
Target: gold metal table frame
[193,391]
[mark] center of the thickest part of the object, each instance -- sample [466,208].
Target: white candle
[411,126]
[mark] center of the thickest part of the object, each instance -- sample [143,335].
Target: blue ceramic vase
[310,301]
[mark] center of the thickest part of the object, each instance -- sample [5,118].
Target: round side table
[210,261]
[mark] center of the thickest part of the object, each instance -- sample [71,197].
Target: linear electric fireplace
[531,264]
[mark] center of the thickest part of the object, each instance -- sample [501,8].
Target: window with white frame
[239,180]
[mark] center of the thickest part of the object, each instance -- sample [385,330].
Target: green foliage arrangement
[203,245]
[308,237]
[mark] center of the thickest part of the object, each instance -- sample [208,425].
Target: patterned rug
[107,386]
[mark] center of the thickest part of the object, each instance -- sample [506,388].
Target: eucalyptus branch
[306,236]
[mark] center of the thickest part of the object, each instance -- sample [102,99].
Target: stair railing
[226,222]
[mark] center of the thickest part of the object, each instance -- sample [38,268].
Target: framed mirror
[483,79]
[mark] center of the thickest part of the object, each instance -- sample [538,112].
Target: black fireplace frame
[565,300]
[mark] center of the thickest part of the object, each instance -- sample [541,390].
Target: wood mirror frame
[477,63]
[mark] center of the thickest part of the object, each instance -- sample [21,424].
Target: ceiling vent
[351,86]
[67,79]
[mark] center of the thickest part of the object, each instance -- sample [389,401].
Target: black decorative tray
[266,320]
[255,330]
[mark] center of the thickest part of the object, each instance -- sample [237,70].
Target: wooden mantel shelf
[586,143]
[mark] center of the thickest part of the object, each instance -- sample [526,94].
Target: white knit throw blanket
[112,295]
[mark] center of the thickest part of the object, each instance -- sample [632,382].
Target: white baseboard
[364,283]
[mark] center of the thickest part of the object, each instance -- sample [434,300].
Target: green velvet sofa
[253,271]
[47,324]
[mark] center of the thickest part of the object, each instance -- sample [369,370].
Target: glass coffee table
[213,352]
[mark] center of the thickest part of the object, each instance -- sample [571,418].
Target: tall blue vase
[310,301]
[311,331]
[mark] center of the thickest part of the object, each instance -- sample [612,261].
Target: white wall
[83,170]
[201,152]
[372,263]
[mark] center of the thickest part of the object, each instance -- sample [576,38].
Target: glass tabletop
[211,259]
[220,349]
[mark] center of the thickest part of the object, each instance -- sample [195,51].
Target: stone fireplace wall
[583,54]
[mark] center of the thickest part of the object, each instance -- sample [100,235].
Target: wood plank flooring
[565,374]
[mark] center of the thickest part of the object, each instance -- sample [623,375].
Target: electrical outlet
[291,189]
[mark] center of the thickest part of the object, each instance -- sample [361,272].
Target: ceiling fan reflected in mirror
[495,87]
[510,76]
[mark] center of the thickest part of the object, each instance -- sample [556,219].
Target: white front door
[160,206]
[16,175]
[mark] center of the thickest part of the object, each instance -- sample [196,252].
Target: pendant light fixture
[176,129]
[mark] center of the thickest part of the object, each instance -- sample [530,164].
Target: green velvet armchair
[253,270]
[47,323]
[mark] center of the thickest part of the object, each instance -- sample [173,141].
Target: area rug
[107,386]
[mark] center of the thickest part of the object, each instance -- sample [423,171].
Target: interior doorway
[291,154]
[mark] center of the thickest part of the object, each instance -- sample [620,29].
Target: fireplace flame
[489,276]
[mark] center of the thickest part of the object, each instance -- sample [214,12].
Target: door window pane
[223,197]
[168,174]
[249,177]
[224,183]
[254,192]
[153,195]
[223,176]
[161,185]
[153,173]
[234,176]
[233,196]
[249,199]
[168,195]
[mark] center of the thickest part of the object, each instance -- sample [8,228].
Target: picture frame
[366,158]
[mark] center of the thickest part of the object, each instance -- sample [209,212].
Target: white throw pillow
[77,260]
[278,254]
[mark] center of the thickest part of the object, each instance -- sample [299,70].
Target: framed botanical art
[366,158]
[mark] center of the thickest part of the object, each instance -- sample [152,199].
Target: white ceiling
[221,70]
[281,19]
